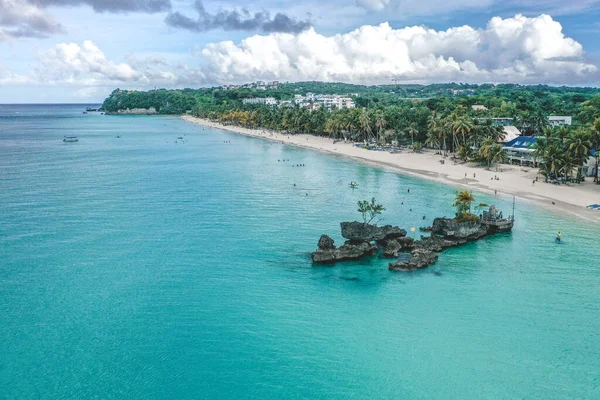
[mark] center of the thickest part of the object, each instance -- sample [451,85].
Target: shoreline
[514,180]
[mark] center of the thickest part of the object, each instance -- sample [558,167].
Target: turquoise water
[143,268]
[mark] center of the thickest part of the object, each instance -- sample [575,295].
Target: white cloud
[69,62]
[403,8]
[518,49]
[21,19]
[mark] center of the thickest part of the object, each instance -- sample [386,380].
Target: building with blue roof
[520,151]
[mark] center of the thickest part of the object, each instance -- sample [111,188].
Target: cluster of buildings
[310,101]
[328,101]
[267,101]
[511,132]
[258,85]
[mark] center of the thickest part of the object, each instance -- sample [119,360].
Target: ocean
[153,267]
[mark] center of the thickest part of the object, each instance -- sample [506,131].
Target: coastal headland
[512,180]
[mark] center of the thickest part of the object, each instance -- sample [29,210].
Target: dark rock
[326,243]
[395,246]
[436,244]
[454,230]
[361,232]
[346,252]
[420,259]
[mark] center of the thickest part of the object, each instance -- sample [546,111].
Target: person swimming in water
[558,238]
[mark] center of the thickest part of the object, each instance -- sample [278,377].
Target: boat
[71,139]
[353,185]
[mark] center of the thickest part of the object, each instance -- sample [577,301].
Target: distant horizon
[51,104]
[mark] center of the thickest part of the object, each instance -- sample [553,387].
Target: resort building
[510,133]
[268,101]
[519,151]
[559,121]
[502,121]
[328,101]
[478,107]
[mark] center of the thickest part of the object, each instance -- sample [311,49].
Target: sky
[57,51]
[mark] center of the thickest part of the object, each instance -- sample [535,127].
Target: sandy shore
[513,180]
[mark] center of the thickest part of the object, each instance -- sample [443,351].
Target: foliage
[462,202]
[370,210]
[564,150]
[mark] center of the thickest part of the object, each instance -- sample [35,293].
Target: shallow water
[137,267]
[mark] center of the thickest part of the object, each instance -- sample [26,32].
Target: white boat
[70,139]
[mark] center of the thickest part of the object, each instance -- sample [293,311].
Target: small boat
[118,136]
[85,112]
[353,185]
[71,139]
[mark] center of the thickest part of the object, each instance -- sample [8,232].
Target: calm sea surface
[138,267]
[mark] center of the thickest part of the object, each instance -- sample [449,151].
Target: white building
[479,107]
[268,101]
[554,120]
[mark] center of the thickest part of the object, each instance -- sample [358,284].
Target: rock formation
[360,242]
[327,252]
[394,246]
[393,241]
[362,232]
[420,259]
[454,230]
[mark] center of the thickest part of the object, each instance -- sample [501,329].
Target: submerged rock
[362,232]
[420,259]
[436,244]
[346,252]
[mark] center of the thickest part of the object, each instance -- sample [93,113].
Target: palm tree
[540,147]
[485,151]
[579,147]
[380,124]
[553,159]
[497,154]
[462,202]
[596,146]
[412,130]
[434,131]
[433,140]
[444,128]
[462,126]
[569,164]
[365,124]
[333,126]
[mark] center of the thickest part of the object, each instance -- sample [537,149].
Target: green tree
[579,147]
[370,210]
[462,202]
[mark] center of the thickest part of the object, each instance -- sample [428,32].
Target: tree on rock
[370,210]
[462,202]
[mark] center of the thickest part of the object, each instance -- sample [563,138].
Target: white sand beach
[513,180]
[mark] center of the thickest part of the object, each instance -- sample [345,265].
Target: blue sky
[79,50]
